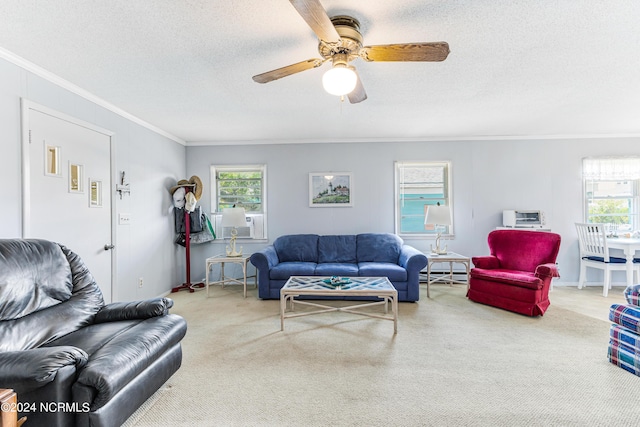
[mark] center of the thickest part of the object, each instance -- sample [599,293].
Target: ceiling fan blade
[279,73]
[437,51]
[358,94]
[316,17]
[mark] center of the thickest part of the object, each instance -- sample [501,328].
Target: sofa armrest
[134,310]
[265,259]
[412,259]
[547,270]
[489,262]
[632,294]
[29,370]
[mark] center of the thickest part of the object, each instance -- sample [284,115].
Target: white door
[67,189]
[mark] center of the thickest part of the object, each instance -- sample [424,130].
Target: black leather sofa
[73,360]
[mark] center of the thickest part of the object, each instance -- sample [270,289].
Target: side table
[451,258]
[9,409]
[243,260]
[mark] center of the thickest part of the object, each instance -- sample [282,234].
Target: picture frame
[76,178]
[330,189]
[95,193]
[52,160]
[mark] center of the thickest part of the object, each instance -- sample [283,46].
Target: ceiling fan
[340,41]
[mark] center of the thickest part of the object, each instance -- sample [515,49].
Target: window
[240,186]
[418,185]
[611,192]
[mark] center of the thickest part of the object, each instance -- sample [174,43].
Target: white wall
[488,176]
[152,163]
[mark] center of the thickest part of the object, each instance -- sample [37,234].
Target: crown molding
[65,84]
[412,139]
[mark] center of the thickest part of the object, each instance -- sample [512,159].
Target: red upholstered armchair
[517,275]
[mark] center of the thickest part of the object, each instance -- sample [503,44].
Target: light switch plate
[124,219]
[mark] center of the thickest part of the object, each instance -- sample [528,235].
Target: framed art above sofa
[330,189]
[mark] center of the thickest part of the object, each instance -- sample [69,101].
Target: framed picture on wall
[330,189]
[76,178]
[95,193]
[52,160]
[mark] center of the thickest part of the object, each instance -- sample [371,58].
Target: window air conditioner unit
[254,229]
[243,232]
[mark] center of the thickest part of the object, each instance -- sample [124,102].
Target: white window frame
[446,200]
[258,218]
[612,169]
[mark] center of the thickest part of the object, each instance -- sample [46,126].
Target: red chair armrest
[487,262]
[547,270]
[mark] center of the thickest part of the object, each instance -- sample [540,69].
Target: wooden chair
[594,253]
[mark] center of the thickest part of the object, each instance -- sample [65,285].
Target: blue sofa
[370,254]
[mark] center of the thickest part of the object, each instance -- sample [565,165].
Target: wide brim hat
[181,183]
[194,183]
[197,190]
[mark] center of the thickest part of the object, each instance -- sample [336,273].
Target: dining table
[629,245]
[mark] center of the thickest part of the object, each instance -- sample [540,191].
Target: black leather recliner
[73,360]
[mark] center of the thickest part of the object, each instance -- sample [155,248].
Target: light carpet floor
[453,362]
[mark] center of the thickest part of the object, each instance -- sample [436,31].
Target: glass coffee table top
[320,286]
[323,284]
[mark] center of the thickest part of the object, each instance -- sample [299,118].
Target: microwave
[523,219]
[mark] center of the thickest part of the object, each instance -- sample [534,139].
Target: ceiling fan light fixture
[340,40]
[339,80]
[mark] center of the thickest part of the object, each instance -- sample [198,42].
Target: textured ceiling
[517,68]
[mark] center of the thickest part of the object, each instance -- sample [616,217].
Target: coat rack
[191,287]
[122,188]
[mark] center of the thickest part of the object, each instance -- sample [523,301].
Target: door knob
[107,247]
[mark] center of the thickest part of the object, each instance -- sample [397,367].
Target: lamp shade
[438,215]
[339,80]
[233,217]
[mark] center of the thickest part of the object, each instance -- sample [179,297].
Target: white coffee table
[379,287]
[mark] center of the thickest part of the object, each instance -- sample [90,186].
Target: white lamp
[234,218]
[438,216]
[341,79]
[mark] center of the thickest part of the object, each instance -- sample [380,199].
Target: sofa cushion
[382,269]
[627,316]
[510,277]
[126,355]
[297,247]
[378,247]
[337,269]
[93,337]
[337,248]
[284,270]
[51,313]
[34,275]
